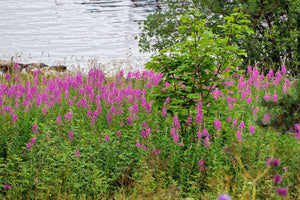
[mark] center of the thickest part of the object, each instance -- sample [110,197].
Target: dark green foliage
[286,112]
[275,23]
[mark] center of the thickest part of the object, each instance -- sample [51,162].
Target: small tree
[192,67]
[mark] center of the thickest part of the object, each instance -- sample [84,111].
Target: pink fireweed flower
[189,121]
[234,122]
[201,165]
[206,142]
[118,134]
[16,66]
[205,133]
[287,83]
[173,132]
[242,126]
[229,119]
[270,74]
[176,122]
[285,169]
[199,135]
[6,187]
[225,150]
[71,136]
[217,125]
[277,179]
[77,152]
[249,100]
[198,118]
[129,119]
[176,138]
[7,77]
[164,112]
[266,119]
[249,70]
[109,119]
[252,130]
[284,89]
[255,111]
[239,136]
[14,118]
[267,97]
[275,98]
[58,120]
[106,138]
[283,70]
[145,124]
[35,128]
[68,117]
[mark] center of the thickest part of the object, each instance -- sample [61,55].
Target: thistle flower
[277,179]
[274,162]
[6,187]
[224,197]
[282,191]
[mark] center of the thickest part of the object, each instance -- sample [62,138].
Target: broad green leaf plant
[198,64]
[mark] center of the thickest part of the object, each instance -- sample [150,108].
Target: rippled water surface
[71,31]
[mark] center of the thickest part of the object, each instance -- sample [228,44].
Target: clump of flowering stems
[121,102]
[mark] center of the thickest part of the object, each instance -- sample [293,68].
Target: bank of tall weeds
[97,137]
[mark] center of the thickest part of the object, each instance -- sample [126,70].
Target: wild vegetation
[197,124]
[91,136]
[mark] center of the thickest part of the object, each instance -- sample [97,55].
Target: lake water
[73,32]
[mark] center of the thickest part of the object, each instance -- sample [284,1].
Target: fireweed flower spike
[77,152]
[224,197]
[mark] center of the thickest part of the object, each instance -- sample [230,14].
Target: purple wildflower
[224,197]
[71,136]
[35,128]
[242,125]
[282,191]
[77,152]
[119,134]
[217,125]
[275,98]
[106,138]
[252,130]
[14,118]
[283,70]
[7,187]
[277,179]
[201,165]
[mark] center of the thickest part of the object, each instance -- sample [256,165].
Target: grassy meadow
[94,136]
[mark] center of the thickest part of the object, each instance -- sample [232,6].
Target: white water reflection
[72,31]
